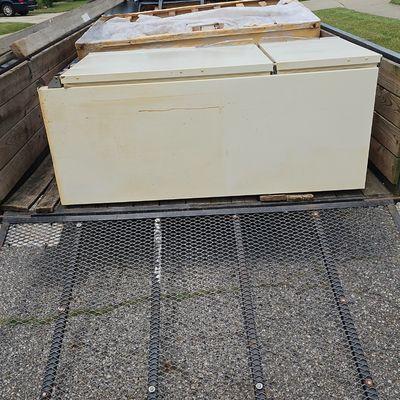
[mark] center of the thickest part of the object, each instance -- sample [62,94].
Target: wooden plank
[34,186]
[18,107]
[15,138]
[287,197]
[388,105]
[21,162]
[386,162]
[389,76]
[386,133]
[14,80]
[61,26]
[50,199]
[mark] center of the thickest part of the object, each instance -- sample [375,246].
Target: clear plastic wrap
[117,28]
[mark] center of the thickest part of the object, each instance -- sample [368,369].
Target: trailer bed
[257,302]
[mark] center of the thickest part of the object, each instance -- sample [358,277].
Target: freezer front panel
[300,132]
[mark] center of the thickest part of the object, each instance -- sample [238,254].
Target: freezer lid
[132,65]
[323,52]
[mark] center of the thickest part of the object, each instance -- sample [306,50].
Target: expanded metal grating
[274,305]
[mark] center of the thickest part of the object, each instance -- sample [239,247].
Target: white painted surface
[299,132]
[167,63]
[318,53]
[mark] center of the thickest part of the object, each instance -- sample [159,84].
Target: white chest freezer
[215,121]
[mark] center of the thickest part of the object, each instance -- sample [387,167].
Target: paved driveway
[375,7]
[32,19]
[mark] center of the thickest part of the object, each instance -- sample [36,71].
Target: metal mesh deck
[276,305]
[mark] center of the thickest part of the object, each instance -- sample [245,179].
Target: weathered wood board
[49,199]
[27,194]
[385,142]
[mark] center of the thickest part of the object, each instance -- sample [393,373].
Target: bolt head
[259,386]
[369,382]
[342,300]
[152,389]
[44,395]
[79,224]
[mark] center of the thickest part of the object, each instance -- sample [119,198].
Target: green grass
[380,30]
[395,2]
[10,27]
[58,7]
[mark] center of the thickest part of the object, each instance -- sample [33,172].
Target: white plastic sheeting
[117,28]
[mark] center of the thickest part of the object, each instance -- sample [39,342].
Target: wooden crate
[385,141]
[200,38]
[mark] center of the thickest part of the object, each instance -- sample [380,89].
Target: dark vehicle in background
[21,7]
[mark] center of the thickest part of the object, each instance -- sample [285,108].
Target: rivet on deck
[369,382]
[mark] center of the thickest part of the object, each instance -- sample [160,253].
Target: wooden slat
[389,76]
[286,197]
[20,163]
[18,107]
[14,80]
[15,138]
[67,23]
[388,105]
[50,199]
[386,133]
[34,186]
[387,163]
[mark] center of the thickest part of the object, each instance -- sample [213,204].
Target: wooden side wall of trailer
[22,134]
[385,141]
